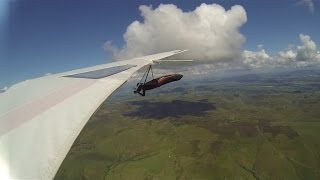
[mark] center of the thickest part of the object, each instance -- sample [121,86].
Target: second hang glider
[41,118]
[142,87]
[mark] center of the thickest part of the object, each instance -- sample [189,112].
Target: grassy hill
[250,127]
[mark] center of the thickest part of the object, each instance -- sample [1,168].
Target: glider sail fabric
[41,118]
[101,73]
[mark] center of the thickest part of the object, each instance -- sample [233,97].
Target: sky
[38,37]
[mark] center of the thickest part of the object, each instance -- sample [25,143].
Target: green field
[255,126]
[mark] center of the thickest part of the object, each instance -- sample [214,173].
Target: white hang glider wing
[41,118]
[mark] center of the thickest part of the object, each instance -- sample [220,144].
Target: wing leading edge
[41,118]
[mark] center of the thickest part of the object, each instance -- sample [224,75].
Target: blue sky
[45,36]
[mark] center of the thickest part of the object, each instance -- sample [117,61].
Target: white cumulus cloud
[256,59]
[302,55]
[308,49]
[288,55]
[210,32]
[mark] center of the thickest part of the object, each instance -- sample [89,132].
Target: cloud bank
[212,36]
[305,54]
[210,32]
[256,59]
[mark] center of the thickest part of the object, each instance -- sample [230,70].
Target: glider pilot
[154,83]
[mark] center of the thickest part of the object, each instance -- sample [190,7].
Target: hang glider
[142,87]
[41,118]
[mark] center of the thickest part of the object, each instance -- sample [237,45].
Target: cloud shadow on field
[175,108]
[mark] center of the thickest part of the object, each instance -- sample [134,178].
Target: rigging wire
[146,74]
[143,76]
[151,71]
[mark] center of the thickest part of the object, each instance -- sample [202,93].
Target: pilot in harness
[142,87]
